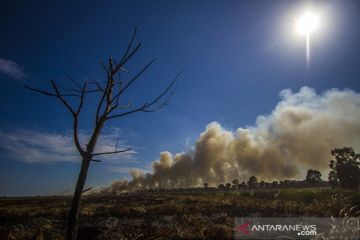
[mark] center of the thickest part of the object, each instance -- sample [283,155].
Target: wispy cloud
[11,69]
[35,146]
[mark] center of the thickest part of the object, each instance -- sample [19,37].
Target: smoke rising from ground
[297,135]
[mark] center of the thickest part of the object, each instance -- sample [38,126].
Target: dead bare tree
[108,107]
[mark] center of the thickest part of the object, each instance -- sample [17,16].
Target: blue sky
[236,55]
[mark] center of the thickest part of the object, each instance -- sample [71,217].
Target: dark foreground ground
[165,215]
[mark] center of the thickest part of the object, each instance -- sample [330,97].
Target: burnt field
[166,215]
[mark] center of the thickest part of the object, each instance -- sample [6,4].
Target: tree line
[344,173]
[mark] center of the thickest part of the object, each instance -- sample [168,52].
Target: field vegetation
[167,215]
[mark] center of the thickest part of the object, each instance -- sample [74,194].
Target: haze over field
[298,134]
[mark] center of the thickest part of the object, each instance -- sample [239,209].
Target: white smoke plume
[297,135]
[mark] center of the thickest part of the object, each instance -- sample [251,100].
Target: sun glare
[307,24]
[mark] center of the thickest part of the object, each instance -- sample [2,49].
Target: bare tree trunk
[108,107]
[71,231]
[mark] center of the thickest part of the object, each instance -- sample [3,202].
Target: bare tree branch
[101,101]
[146,106]
[49,93]
[126,55]
[166,90]
[163,104]
[111,84]
[75,82]
[130,44]
[133,79]
[58,94]
[81,98]
[114,152]
[69,89]
[87,189]
[93,91]
[105,67]
[72,90]
[76,136]
[122,63]
[97,84]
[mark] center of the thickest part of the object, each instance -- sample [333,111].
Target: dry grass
[164,215]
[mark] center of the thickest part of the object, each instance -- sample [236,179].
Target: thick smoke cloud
[297,135]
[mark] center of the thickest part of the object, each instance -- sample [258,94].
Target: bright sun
[306,25]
